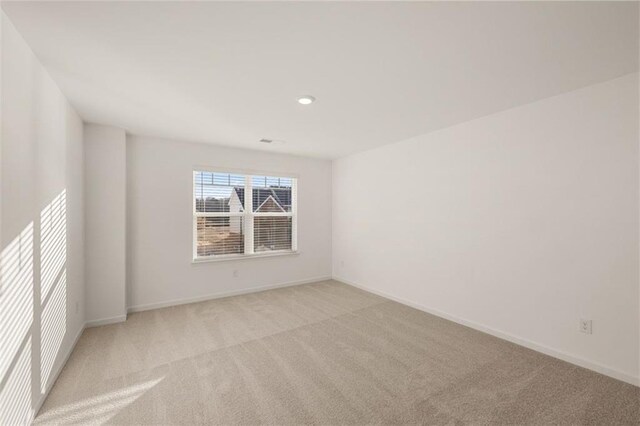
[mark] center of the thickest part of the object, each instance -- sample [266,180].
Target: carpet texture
[323,353]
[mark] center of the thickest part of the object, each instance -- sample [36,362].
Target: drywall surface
[160,234]
[105,215]
[41,262]
[520,223]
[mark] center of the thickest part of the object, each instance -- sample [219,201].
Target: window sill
[244,256]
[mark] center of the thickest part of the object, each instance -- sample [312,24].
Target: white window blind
[239,215]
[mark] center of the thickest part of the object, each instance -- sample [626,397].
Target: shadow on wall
[33,324]
[33,311]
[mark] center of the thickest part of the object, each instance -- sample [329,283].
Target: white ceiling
[230,73]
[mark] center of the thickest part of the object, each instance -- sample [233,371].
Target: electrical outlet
[586,326]
[235,272]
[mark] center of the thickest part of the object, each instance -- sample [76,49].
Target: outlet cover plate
[586,326]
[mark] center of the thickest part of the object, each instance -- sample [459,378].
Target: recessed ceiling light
[306,99]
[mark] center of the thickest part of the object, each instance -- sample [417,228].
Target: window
[237,215]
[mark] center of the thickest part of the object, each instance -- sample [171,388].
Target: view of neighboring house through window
[226,224]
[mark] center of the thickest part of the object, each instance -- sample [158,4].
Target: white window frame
[248,215]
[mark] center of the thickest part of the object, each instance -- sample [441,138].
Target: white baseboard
[57,372]
[106,321]
[219,295]
[581,362]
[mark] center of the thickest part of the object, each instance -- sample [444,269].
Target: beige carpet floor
[322,353]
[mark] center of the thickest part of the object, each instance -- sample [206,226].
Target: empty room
[319,213]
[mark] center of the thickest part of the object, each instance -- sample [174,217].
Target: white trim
[581,362]
[294,218]
[219,214]
[226,257]
[248,248]
[106,321]
[235,171]
[194,237]
[56,373]
[219,295]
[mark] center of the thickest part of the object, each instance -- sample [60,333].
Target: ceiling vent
[266,140]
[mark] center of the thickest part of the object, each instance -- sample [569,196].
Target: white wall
[41,273]
[518,223]
[105,213]
[159,197]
